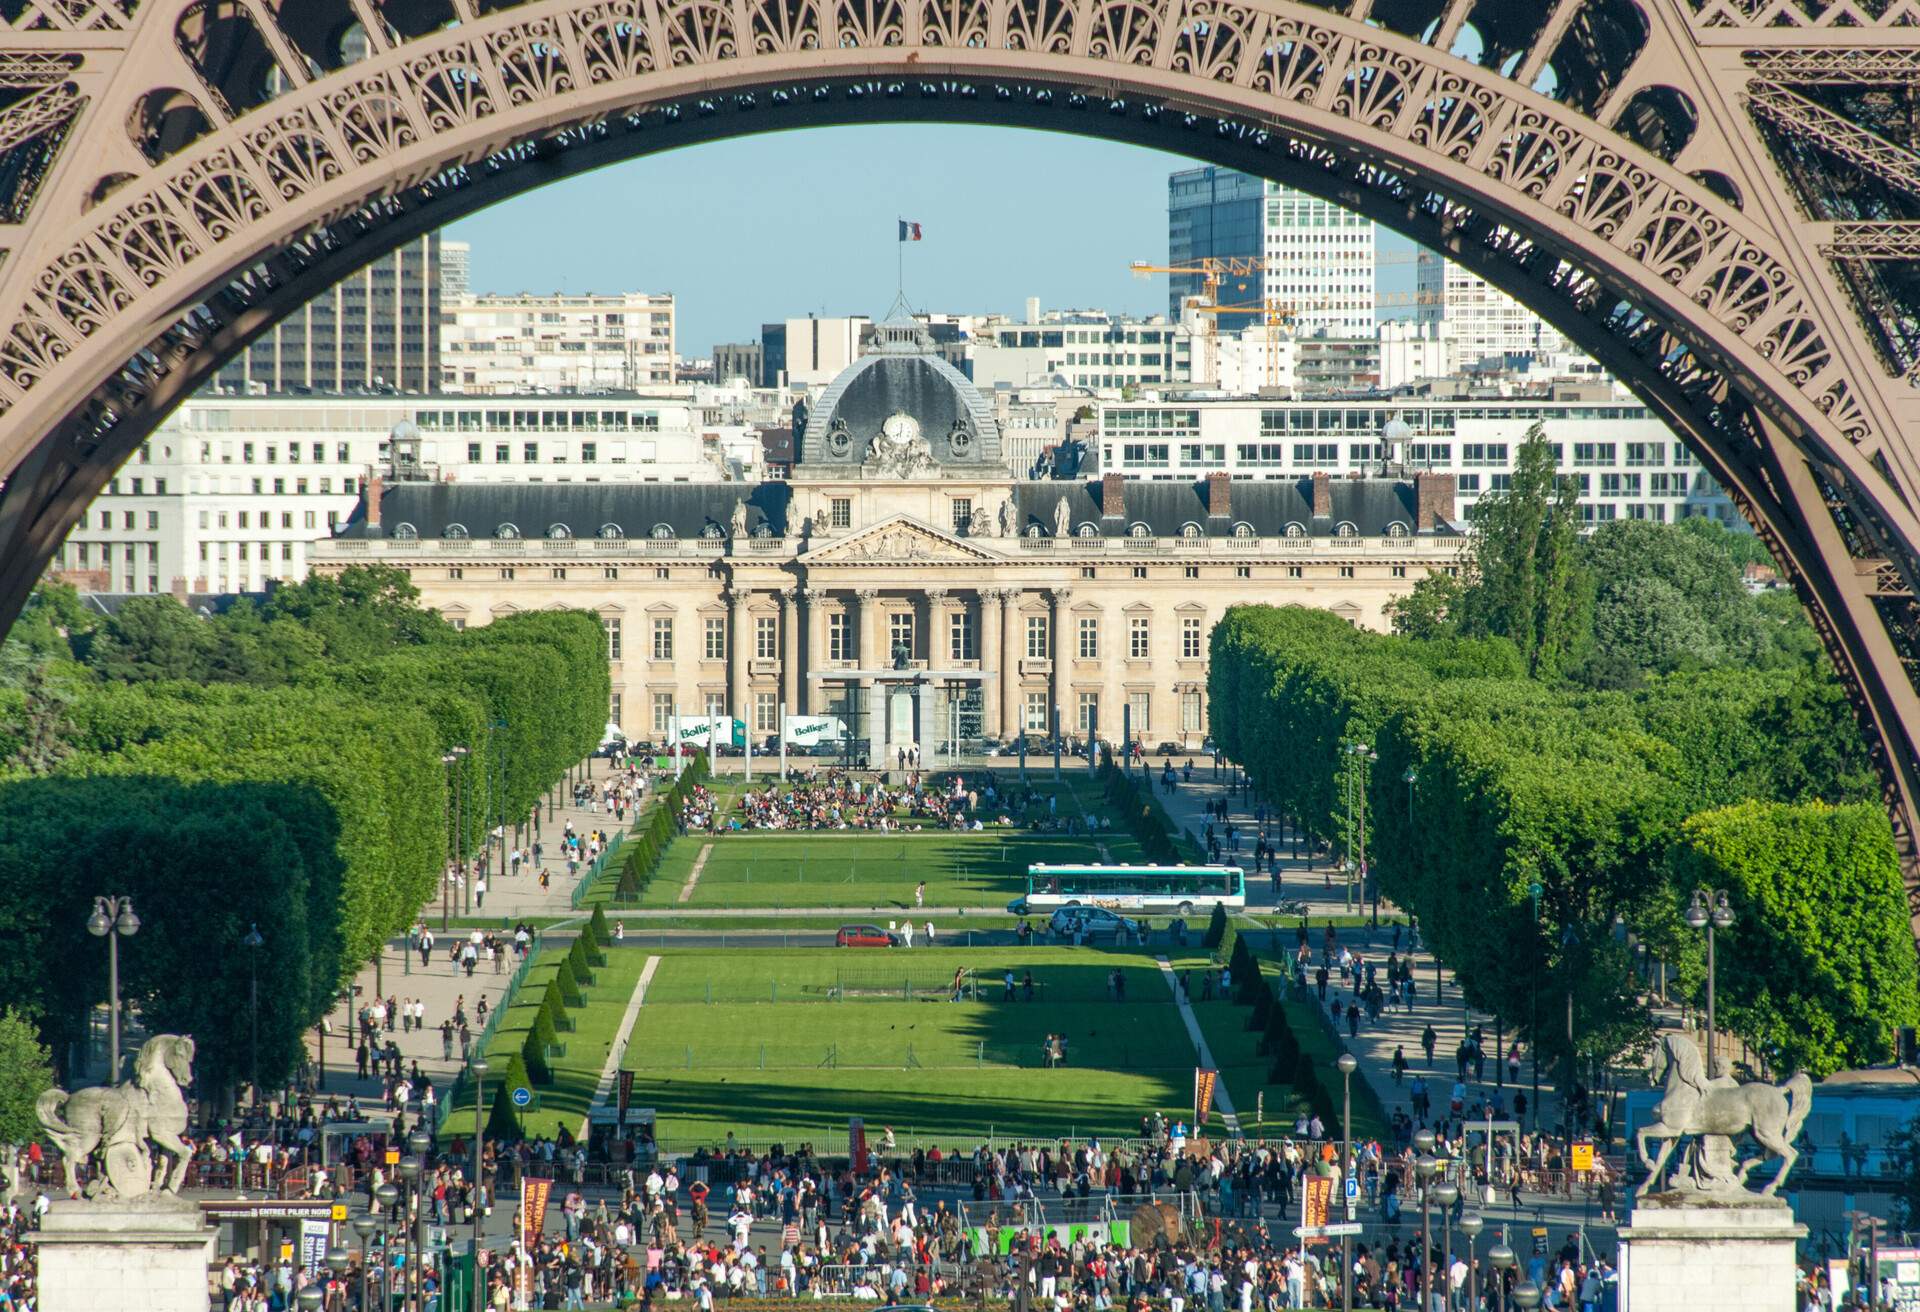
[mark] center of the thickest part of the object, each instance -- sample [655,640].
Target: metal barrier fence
[597,869]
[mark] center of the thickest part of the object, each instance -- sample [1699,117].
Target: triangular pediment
[899,538]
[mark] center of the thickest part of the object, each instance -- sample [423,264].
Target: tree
[1525,579]
[1648,624]
[151,638]
[46,731]
[1430,610]
[26,1071]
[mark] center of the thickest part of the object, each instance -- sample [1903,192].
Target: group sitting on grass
[837,800]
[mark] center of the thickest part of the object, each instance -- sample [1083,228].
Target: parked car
[1171,749]
[865,936]
[1078,922]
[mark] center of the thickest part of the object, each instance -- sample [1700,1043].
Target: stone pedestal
[150,1254]
[1693,1253]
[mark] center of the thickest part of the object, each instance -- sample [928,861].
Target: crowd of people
[834,799]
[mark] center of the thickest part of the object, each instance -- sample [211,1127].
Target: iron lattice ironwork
[1715,198]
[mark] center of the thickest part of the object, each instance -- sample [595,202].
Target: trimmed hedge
[503,1119]
[1142,819]
[649,842]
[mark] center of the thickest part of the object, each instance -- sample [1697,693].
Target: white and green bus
[1179,890]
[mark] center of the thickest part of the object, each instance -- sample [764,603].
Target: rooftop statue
[1716,1112]
[119,1121]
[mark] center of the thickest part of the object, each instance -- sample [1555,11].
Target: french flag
[909,231]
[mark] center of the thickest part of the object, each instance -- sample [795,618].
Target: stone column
[870,656]
[789,651]
[1063,661]
[1013,645]
[937,628]
[740,649]
[812,689]
[991,659]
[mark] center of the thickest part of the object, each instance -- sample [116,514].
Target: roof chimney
[1219,493]
[375,488]
[1113,496]
[1322,496]
[1432,500]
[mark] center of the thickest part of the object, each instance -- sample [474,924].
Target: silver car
[1079,922]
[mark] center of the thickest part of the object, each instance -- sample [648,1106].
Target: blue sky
[767,227]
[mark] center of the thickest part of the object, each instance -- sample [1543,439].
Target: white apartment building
[522,344]
[1628,464]
[1320,263]
[230,491]
[1080,348]
[819,349]
[1481,320]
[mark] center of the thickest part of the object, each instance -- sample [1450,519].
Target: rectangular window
[1190,711]
[1089,647]
[962,514]
[1036,712]
[766,636]
[530,452]
[840,512]
[716,640]
[1593,453]
[900,631]
[1190,638]
[1346,571]
[716,705]
[662,713]
[1087,714]
[663,637]
[1036,637]
[960,636]
[1645,453]
[1139,637]
[473,453]
[766,712]
[502,452]
[839,648]
[612,627]
[589,452]
[153,519]
[506,573]
[1137,704]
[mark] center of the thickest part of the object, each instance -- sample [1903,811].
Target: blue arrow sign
[522,1096]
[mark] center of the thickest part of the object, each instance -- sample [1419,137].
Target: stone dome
[898,411]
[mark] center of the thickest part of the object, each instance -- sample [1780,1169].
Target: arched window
[559,531]
[1345,529]
[1035,531]
[1190,530]
[762,530]
[405,532]
[1138,530]
[507,531]
[456,531]
[1087,530]
[1397,530]
[612,532]
[1295,529]
[712,532]
[1242,529]
[660,532]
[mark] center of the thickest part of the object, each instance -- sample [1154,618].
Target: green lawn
[794,1043]
[577,1072]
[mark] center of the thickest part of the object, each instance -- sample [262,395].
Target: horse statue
[120,1120]
[1716,1112]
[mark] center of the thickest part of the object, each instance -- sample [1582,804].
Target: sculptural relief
[1716,1112]
[119,1122]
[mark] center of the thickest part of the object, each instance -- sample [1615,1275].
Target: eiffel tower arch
[1718,199]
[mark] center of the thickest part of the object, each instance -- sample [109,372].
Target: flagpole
[900,263]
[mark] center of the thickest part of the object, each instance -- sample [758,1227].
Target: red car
[864,936]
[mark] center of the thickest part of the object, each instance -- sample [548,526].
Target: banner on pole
[1204,1081]
[626,1094]
[857,1145]
[1315,1200]
[533,1208]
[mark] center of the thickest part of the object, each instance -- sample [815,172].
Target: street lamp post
[420,1142]
[479,1067]
[364,1225]
[113,920]
[1526,1295]
[1470,1226]
[1425,1167]
[339,1262]
[1534,890]
[1346,1064]
[253,943]
[1446,1193]
[1710,911]
[389,1196]
[458,857]
[1501,1259]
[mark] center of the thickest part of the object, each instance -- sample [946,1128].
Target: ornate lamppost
[1710,911]
[113,920]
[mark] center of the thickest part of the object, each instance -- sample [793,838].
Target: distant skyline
[777,226]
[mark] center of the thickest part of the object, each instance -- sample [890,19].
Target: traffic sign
[1353,1188]
[1583,1156]
[1326,1231]
[522,1096]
